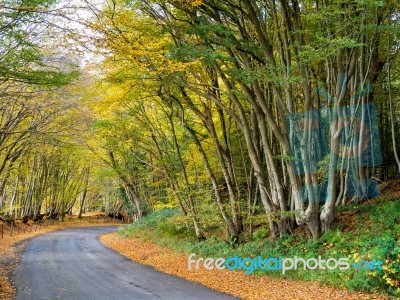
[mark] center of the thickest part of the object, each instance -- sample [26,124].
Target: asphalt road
[74,264]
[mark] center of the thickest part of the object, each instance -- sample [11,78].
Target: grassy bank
[369,231]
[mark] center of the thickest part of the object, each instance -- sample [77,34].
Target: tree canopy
[238,113]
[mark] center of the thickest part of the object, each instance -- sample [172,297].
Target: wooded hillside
[240,114]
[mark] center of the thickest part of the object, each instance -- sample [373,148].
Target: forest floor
[230,282]
[12,246]
[143,248]
[164,259]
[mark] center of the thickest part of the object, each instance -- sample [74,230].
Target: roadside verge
[230,282]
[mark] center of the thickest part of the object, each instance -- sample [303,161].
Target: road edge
[234,283]
[13,250]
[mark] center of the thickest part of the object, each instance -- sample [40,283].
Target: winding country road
[74,264]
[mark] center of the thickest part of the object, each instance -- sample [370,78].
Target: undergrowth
[374,235]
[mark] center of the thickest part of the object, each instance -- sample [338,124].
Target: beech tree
[257,65]
[229,111]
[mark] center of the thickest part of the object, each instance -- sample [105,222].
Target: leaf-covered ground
[233,283]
